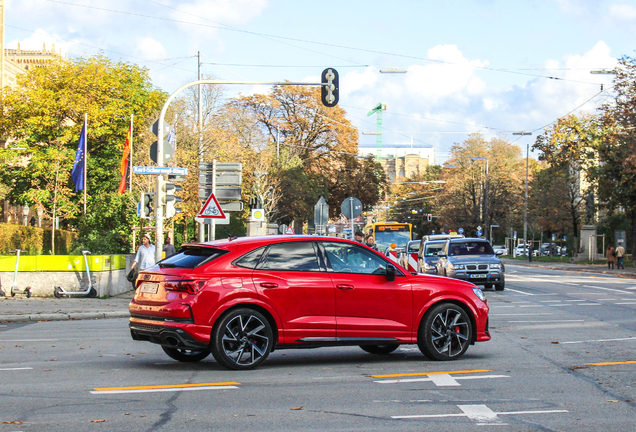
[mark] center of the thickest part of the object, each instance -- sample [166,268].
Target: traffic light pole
[159,198]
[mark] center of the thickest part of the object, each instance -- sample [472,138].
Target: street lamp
[40,214]
[485,193]
[525,209]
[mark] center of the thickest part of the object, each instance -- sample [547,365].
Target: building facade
[401,162]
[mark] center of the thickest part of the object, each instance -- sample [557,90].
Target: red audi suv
[242,298]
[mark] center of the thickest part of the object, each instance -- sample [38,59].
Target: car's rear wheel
[186,355]
[379,349]
[242,339]
[445,332]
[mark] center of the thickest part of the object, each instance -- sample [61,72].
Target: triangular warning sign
[211,209]
[290,230]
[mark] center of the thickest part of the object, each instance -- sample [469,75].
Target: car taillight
[191,286]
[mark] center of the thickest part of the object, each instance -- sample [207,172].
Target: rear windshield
[414,247]
[192,257]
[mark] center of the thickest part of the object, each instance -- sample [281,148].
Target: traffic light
[147,205]
[329,90]
[429,217]
[170,199]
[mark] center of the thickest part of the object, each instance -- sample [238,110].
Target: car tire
[242,339]
[445,332]
[487,286]
[380,349]
[185,355]
[500,286]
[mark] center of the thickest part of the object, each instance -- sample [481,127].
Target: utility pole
[525,208]
[200,126]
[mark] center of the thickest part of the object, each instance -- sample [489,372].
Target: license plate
[148,287]
[478,276]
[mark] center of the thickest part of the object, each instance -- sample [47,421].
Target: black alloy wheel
[242,339]
[380,349]
[445,332]
[185,355]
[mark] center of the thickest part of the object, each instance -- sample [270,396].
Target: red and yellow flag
[125,163]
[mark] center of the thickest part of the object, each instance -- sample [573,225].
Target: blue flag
[80,159]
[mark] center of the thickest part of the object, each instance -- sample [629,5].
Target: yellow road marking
[430,373]
[164,386]
[612,363]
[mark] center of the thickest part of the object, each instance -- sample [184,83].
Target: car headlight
[455,267]
[495,266]
[479,293]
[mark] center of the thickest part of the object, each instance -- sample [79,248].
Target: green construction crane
[378,140]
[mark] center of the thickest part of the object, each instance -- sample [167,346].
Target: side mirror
[441,254]
[499,252]
[391,272]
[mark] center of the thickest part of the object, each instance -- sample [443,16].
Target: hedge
[34,240]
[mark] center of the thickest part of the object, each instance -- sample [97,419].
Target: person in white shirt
[145,257]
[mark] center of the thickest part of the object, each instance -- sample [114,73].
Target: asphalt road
[562,358]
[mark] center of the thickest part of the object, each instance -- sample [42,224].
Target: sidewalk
[22,309]
[628,272]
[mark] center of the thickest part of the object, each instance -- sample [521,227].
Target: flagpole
[85,156]
[131,151]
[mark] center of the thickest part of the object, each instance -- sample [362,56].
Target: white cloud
[623,12]
[151,48]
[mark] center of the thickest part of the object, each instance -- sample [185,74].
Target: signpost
[321,216]
[352,208]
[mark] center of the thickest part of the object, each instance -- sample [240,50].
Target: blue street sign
[159,170]
[138,209]
[478,233]
[461,230]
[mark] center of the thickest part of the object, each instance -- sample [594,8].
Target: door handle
[344,287]
[268,285]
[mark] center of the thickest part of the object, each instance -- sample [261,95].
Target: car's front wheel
[445,332]
[186,355]
[379,349]
[500,286]
[242,339]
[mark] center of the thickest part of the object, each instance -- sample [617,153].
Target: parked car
[472,259]
[500,248]
[242,298]
[521,250]
[427,262]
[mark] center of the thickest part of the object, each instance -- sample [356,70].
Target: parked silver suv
[473,260]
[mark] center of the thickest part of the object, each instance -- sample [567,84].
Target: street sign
[290,230]
[167,152]
[282,228]
[461,230]
[211,209]
[478,233]
[227,178]
[351,207]
[232,206]
[159,170]
[223,193]
[321,213]
[155,128]
[225,221]
[478,228]
[258,215]
[221,166]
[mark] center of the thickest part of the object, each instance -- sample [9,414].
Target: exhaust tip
[171,341]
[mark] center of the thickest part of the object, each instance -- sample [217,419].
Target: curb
[63,316]
[584,270]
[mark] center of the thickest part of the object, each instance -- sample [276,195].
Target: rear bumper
[173,335]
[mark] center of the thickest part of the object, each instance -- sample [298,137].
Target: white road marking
[481,414]
[551,301]
[441,380]
[29,340]
[19,368]
[626,303]
[608,289]
[520,314]
[575,300]
[163,390]
[520,292]
[548,321]
[600,340]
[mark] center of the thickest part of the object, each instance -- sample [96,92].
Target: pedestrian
[530,252]
[611,257]
[620,255]
[145,257]
[370,242]
[359,237]
[168,248]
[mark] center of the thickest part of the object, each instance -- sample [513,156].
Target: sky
[490,66]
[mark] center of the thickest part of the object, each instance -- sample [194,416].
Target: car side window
[348,258]
[250,260]
[291,256]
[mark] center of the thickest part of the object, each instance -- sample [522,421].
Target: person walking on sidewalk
[169,248]
[145,257]
[620,255]
[530,252]
[611,257]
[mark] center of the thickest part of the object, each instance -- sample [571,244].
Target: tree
[462,201]
[615,174]
[45,113]
[569,148]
